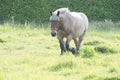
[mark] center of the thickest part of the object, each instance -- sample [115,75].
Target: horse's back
[81,17]
[79,23]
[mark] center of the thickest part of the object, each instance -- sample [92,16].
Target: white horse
[69,25]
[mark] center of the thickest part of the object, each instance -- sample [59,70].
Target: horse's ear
[58,13]
[51,13]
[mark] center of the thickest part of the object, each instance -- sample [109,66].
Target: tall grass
[29,52]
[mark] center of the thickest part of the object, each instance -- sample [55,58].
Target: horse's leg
[76,42]
[69,38]
[61,42]
[62,46]
[80,41]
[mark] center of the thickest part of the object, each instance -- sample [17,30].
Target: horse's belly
[78,32]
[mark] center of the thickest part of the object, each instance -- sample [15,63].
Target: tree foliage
[38,10]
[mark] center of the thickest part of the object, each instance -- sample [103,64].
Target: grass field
[30,53]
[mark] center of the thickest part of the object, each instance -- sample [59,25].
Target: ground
[29,52]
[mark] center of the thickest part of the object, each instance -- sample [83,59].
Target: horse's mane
[62,10]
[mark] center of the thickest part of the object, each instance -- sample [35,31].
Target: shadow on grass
[104,49]
[92,43]
[2,41]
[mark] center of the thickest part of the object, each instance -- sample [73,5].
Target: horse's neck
[67,19]
[66,23]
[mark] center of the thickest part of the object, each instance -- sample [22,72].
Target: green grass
[30,53]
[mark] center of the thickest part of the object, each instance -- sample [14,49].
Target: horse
[69,25]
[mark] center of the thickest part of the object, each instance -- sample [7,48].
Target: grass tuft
[104,49]
[2,41]
[112,70]
[88,52]
[90,77]
[63,65]
[93,43]
[112,78]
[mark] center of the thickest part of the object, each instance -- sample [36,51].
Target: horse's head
[55,23]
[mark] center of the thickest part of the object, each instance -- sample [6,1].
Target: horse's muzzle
[53,34]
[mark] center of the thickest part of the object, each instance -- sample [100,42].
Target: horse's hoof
[61,53]
[73,51]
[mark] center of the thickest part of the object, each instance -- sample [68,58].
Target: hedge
[38,10]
